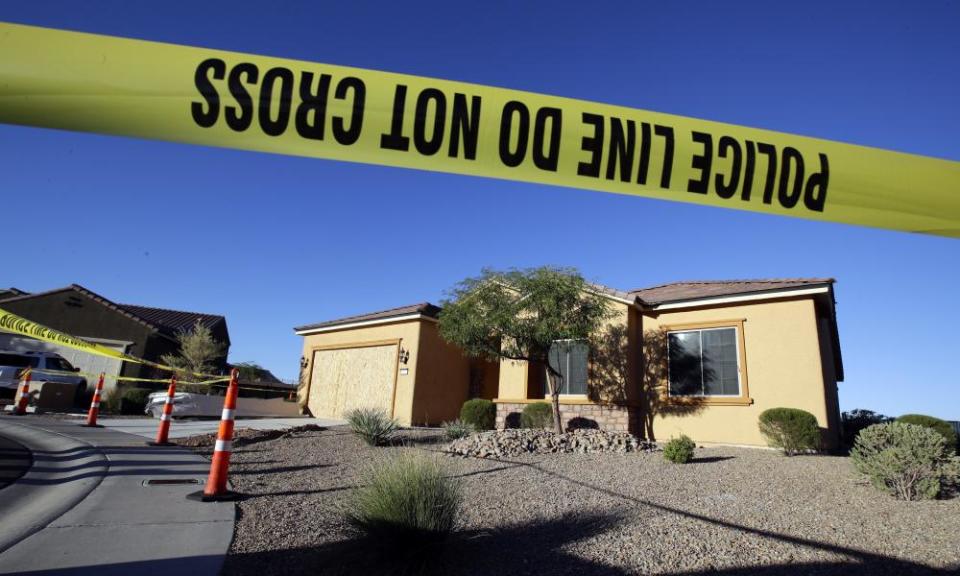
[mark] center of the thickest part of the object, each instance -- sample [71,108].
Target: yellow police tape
[38,374]
[10,322]
[94,83]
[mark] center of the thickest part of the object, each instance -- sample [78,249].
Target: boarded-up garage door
[348,378]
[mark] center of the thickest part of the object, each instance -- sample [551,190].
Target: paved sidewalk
[85,506]
[146,427]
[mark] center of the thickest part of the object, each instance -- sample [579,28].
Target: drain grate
[171,481]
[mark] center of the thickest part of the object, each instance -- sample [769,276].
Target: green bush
[941,427]
[373,425]
[536,415]
[790,429]
[457,429]
[134,400]
[123,400]
[479,413]
[406,501]
[909,461]
[679,450]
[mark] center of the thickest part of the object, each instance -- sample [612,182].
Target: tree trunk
[552,379]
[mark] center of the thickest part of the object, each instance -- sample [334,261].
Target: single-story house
[697,358]
[141,331]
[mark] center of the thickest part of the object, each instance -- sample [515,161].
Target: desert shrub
[373,425]
[852,422]
[941,427]
[790,429]
[405,501]
[909,461]
[479,413]
[457,429]
[679,450]
[581,423]
[123,400]
[536,415]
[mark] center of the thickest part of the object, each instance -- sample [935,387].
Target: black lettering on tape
[728,189]
[284,76]
[207,118]
[645,143]
[514,157]
[429,144]
[395,140]
[815,192]
[623,143]
[592,144]
[465,124]
[701,162]
[241,120]
[792,162]
[667,133]
[771,153]
[312,104]
[341,133]
[546,157]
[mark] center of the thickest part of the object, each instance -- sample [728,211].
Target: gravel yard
[731,511]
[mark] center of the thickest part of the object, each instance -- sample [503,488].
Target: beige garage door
[348,378]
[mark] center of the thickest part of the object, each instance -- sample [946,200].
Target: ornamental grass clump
[374,426]
[479,413]
[408,501]
[792,430]
[457,429]
[679,450]
[910,462]
[536,415]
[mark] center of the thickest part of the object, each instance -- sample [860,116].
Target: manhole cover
[171,481]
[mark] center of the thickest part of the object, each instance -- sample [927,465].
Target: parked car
[47,367]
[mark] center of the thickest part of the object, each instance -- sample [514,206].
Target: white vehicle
[47,367]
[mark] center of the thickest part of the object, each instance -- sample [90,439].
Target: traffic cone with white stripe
[216,487]
[21,408]
[163,430]
[95,405]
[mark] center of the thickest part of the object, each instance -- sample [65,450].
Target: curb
[50,487]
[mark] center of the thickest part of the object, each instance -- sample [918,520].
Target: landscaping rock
[514,442]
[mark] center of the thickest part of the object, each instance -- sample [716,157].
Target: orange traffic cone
[163,430]
[21,408]
[216,488]
[95,405]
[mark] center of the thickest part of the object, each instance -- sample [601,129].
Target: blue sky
[273,242]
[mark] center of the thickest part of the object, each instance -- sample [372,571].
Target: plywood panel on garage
[346,378]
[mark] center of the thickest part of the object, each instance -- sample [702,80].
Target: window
[704,362]
[18,360]
[55,363]
[569,358]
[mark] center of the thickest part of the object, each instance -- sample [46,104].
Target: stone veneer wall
[608,417]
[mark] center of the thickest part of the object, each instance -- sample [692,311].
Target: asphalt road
[14,461]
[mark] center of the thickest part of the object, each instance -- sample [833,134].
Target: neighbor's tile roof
[166,322]
[679,291]
[172,321]
[424,308]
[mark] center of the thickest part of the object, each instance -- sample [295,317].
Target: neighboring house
[697,358]
[140,331]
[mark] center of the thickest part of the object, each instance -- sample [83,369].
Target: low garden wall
[610,417]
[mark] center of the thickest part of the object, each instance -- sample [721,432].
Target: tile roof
[166,322]
[172,321]
[424,308]
[679,291]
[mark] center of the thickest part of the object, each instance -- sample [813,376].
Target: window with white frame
[569,358]
[704,362]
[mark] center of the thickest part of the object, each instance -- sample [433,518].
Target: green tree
[519,314]
[198,352]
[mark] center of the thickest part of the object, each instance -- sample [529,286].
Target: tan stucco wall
[408,333]
[783,368]
[443,379]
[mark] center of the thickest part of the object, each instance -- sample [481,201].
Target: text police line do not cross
[616,148]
